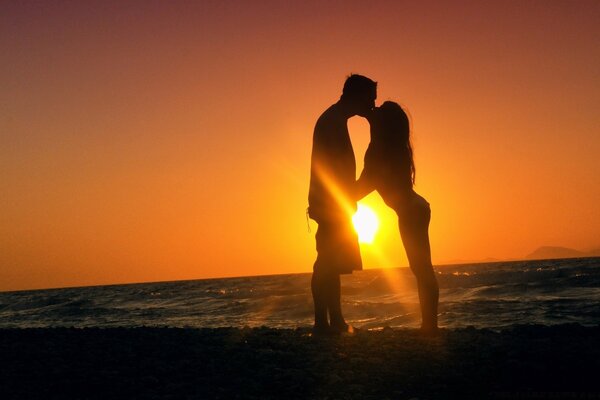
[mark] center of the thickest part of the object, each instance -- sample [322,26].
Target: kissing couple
[388,168]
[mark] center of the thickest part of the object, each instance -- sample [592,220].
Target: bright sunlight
[365,223]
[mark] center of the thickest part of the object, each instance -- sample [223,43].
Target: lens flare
[365,223]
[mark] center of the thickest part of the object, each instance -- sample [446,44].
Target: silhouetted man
[331,201]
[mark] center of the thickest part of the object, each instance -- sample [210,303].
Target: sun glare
[365,223]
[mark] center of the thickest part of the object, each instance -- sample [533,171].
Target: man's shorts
[337,248]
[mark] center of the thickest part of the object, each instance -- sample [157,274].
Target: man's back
[333,168]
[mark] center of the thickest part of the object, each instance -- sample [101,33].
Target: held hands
[362,187]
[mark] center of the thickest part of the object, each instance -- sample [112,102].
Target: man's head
[359,94]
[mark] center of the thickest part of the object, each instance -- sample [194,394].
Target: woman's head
[393,122]
[392,127]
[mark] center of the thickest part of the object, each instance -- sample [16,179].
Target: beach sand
[523,362]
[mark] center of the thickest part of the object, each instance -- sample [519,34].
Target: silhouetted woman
[389,168]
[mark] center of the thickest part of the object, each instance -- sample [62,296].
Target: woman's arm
[364,185]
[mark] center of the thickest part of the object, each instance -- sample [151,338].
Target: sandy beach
[523,362]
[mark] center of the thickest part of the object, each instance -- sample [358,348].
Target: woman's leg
[414,225]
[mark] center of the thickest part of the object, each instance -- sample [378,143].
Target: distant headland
[547,252]
[541,253]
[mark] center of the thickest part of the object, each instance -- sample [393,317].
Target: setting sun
[365,223]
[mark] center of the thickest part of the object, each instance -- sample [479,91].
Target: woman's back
[388,166]
[389,169]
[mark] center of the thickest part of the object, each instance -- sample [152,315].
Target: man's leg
[334,302]
[318,286]
[335,249]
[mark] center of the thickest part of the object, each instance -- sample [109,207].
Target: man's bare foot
[343,328]
[429,331]
[322,330]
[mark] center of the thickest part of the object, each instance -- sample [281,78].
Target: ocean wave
[484,295]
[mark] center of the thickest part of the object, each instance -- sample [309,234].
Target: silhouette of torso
[333,168]
[387,170]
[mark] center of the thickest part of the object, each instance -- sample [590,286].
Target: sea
[488,295]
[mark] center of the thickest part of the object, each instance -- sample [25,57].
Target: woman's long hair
[396,130]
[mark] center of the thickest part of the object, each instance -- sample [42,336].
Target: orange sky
[169,140]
